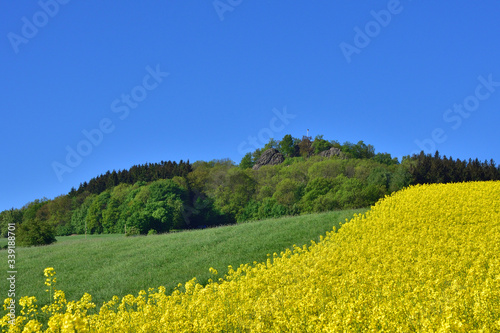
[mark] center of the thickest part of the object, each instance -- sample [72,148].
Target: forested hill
[309,176]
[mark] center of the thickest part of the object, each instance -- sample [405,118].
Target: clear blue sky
[171,80]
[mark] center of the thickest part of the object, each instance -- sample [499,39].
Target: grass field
[108,265]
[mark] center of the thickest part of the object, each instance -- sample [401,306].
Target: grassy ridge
[107,265]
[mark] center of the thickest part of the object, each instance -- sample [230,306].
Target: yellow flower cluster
[425,259]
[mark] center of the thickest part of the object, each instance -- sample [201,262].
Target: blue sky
[91,86]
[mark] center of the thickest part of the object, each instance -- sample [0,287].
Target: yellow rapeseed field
[426,259]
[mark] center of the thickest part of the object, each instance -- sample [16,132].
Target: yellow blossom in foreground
[424,259]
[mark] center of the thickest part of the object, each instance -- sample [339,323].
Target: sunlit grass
[108,265]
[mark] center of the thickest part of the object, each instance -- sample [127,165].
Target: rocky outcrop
[331,152]
[269,157]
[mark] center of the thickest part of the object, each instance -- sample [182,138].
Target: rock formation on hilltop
[331,152]
[269,157]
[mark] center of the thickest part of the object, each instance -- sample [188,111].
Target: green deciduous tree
[385,158]
[288,192]
[79,216]
[235,191]
[35,232]
[379,176]
[246,161]
[12,216]
[271,144]
[60,212]
[287,146]
[319,144]
[94,218]
[111,215]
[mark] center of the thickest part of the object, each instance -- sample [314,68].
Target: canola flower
[425,259]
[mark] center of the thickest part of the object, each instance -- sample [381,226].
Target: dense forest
[165,196]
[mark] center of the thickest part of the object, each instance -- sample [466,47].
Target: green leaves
[35,232]
[287,146]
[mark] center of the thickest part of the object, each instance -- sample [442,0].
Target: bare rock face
[331,152]
[269,157]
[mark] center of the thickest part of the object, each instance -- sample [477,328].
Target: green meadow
[108,265]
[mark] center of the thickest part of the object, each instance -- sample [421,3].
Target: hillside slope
[109,265]
[424,259]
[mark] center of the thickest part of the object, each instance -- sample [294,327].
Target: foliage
[358,150]
[236,189]
[265,209]
[7,217]
[59,212]
[428,169]
[288,192]
[132,231]
[147,173]
[156,206]
[287,146]
[271,144]
[79,216]
[169,195]
[247,161]
[385,158]
[319,144]
[94,218]
[35,232]
[305,147]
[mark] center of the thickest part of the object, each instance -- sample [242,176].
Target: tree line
[430,169]
[163,196]
[138,173]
